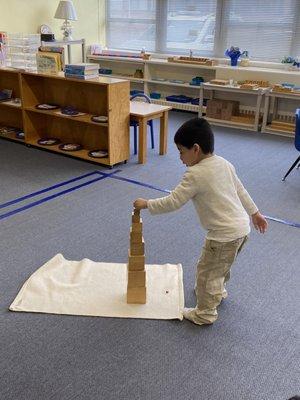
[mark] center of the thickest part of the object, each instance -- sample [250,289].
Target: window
[267,29]
[190,26]
[131,24]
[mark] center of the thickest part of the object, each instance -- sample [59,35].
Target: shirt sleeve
[183,192]
[244,196]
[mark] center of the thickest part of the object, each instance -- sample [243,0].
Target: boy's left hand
[140,203]
[259,222]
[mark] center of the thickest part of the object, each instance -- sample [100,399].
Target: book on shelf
[80,76]
[82,66]
[79,71]
[48,62]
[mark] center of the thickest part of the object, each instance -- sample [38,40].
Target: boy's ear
[196,147]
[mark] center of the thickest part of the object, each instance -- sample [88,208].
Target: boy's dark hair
[196,130]
[294,397]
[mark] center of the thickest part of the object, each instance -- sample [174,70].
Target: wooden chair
[297,143]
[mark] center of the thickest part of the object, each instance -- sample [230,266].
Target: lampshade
[66,10]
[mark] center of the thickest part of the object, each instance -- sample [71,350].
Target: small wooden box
[137,249]
[136,279]
[136,216]
[221,82]
[135,237]
[136,295]
[222,109]
[137,226]
[136,263]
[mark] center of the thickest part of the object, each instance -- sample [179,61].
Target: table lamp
[66,11]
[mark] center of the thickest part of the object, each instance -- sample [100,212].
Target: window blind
[268,30]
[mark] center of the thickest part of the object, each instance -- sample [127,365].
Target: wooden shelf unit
[153,71]
[255,116]
[10,112]
[276,116]
[159,74]
[100,96]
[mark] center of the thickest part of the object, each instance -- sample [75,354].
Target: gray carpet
[250,353]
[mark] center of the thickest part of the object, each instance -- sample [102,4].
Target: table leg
[163,136]
[69,54]
[200,112]
[142,152]
[266,113]
[257,111]
[83,50]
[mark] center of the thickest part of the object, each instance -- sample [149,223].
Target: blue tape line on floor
[28,196]
[281,221]
[138,183]
[38,202]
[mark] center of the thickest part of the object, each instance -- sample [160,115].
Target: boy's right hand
[259,222]
[140,203]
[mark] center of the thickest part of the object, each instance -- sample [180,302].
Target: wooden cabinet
[100,96]
[10,112]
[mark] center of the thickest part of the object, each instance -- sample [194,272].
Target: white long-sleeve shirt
[221,201]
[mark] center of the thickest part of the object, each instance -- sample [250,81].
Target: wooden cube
[135,237]
[136,295]
[136,216]
[137,226]
[136,279]
[222,109]
[136,263]
[137,249]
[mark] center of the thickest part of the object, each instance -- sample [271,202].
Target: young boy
[223,206]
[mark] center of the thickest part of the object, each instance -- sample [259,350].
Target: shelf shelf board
[81,118]
[178,106]
[10,103]
[229,123]
[284,95]
[186,85]
[11,136]
[125,77]
[130,60]
[280,132]
[229,88]
[165,62]
[83,154]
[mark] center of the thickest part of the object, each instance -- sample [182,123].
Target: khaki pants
[213,271]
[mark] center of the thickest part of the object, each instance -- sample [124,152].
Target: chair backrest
[297,129]
[147,98]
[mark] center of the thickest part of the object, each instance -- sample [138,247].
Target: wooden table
[143,112]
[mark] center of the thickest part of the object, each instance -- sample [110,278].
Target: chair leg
[134,139]
[292,167]
[152,134]
[298,166]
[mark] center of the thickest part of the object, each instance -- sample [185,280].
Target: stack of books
[82,71]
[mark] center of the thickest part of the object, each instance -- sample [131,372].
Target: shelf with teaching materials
[158,75]
[279,112]
[249,117]
[99,96]
[10,111]
[173,78]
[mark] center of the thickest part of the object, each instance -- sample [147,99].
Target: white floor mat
[99,289]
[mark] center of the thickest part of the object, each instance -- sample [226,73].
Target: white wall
[27,16]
